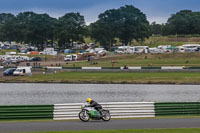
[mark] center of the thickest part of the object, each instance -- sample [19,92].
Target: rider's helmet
[88,100]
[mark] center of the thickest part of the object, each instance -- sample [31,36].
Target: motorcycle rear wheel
[84,116]
[106,116]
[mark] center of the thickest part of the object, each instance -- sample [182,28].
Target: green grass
[160,40]
[182,130]
[50,120]
[114,77]
[168,59]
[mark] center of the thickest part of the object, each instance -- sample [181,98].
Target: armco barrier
[193,68]
[54,68]
[117,110]
[91,68]
[172,68]
[110,68]
[181,108]
[26,112]
[115,68]
[150,67]
[71,68]
[132,68]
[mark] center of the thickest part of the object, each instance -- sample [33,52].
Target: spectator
[125,67]
[113,63]
[89,59]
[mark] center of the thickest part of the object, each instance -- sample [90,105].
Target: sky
[155,10]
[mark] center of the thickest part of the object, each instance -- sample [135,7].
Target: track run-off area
[38,126]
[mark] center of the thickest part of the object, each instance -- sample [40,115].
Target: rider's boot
[100,112]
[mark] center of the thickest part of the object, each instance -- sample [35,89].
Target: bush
[196,35]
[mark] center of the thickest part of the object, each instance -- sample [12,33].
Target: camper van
[141,49]
[122,49]
[22,71]
[191,47]
[156,51]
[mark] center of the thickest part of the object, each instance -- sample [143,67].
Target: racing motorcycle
[88,113]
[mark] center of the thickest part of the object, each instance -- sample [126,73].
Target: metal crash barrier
[117,110]
[179,108]
[26,112]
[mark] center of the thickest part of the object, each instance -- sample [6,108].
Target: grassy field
[144,60]
[174,41]
[183,130]
[112,77]
[167,59]
[155,41]
[3,52]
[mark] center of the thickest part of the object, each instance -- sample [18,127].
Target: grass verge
[166,59]
[182,130]
[158,117]
[112,77]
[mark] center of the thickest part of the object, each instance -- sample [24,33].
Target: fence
[181,108]
[119,68]
[117,110]
[26,112]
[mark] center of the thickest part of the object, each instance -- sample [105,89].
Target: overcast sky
[156,10]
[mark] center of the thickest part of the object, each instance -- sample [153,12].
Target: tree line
[126,23]
[184,22]
[41,29]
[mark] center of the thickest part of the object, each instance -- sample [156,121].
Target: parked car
[36,59]
[9,71]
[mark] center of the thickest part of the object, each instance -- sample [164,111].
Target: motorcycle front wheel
[106,116]
[84,116]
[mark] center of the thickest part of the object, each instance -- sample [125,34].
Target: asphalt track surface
[11,127]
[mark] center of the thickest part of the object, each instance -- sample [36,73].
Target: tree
[166,30]
[35,29]
[156,29]
[195,23]
[184,22]
[180,22]
[105,29]
[6,17]
[133,24]
[7,27]
[43,27]
[70,28]
[126,23]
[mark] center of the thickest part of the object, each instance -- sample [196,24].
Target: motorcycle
[88,113]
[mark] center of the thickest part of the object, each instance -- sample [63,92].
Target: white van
[73,57]
[21,71]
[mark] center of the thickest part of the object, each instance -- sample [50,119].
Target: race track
[11,127]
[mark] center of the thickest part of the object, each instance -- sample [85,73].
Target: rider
[94,104]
